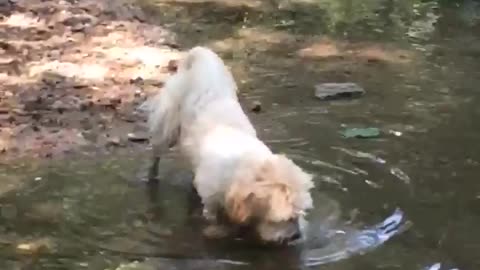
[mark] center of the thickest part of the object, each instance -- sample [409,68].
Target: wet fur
[235,172]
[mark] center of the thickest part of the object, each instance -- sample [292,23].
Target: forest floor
[73,74]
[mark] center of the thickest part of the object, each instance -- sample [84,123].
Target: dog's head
[273,197]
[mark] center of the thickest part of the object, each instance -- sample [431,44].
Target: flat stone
[114,141]
[138,137]
[256,107]
[338,90]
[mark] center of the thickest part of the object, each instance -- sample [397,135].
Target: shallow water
[419,63]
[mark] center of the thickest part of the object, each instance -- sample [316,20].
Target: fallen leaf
[361,133]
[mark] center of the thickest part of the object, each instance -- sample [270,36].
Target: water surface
[419,62]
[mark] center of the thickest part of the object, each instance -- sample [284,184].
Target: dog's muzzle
[296,231]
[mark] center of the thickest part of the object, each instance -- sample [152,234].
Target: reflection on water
[418,61]
[102,216]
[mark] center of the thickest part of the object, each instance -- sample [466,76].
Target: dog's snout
[297,235]
[296,231]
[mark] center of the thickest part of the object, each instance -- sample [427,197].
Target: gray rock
[114,141]
[338,90]
[256,107]
[138,137]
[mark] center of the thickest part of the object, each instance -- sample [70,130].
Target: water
[418,61]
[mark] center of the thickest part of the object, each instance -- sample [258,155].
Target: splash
[347,244]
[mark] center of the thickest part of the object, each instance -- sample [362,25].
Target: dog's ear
[276,194]
[280,201]
[273,201]
[239,201]
[259,192]
[286,187]
[276,190]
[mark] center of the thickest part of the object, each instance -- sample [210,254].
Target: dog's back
[202,93]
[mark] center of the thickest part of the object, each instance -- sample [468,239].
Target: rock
[59,106]
[90,136]
[111,103]
[114,141]
[80,85]
[84,105]
[76,20]
[34,103]
[336,90]
[78,28]
[138,137]
[93,10]
[9,118]
[138,93]
[115,101]
[10,66]
[256,107]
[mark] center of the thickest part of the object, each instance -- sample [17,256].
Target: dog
[235,173]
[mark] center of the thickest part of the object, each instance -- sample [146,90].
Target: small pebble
[38,179]
[114,141]
[396,133]
[257,107]
[139,137]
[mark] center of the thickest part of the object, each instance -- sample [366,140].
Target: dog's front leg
[215,229]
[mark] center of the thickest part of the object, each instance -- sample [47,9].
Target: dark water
[419,62]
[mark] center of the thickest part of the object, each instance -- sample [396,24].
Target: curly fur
[234,170]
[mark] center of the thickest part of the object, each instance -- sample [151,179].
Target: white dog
[234,172]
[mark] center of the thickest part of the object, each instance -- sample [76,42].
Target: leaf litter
[73,73]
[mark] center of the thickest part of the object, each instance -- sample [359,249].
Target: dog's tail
[200,71]
[163,110]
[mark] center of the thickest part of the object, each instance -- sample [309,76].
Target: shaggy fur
[235,172]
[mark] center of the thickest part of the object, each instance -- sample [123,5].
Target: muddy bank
[72,74]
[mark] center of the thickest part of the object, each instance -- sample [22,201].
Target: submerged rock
[256,107]
[138,137]
[337,90]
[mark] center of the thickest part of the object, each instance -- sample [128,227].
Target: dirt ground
[74,72]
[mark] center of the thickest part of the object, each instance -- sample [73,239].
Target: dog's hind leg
[153,170]
[157,152]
